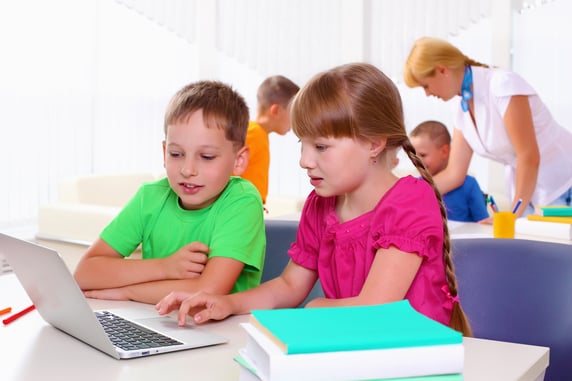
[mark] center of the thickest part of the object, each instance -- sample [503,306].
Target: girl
[500,117]
[369,236]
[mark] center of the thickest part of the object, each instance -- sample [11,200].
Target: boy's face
[199,161]
[435,158]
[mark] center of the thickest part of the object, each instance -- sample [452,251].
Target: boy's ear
[164,152]
[274,109]
[445,150]
[241,161]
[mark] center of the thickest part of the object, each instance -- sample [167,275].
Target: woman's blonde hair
[427,53]
[359,101]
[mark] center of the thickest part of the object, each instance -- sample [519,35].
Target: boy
[432,141]
[274,95]
[199,211]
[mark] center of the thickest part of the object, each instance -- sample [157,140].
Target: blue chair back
[519,291]
[280,234]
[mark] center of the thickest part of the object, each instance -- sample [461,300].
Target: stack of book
[386,341]
[547,221]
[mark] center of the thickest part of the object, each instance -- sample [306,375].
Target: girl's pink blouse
[407,217]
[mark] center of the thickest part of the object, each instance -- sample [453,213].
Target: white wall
[84,85]
[542,47]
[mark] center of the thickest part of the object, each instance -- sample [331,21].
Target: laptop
[59,300]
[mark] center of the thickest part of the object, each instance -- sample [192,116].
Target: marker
[494,206]
[515,209]
[5,311]
[18,315]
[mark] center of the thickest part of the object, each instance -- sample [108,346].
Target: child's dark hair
[276,89]
[359,101]
[222,107]
[437,132]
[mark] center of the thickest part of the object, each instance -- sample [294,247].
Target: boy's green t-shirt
[233,226]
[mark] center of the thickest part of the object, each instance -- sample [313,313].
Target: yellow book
[563,220]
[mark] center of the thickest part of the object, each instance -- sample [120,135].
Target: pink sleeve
[305,250]
[409,219]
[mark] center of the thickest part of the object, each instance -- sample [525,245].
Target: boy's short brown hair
[222,107]
[276,90]
[436,131]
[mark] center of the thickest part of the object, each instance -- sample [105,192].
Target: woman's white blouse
[492,90]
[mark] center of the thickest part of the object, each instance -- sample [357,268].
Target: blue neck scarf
[466,92]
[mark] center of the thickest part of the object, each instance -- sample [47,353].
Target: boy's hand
[201,306]
[188,262]
[107,293]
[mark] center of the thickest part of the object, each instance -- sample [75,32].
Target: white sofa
[86,205]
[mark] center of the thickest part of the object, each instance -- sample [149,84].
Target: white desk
[34,350]
[475,230]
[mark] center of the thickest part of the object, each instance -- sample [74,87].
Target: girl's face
[335,166]
[198,160]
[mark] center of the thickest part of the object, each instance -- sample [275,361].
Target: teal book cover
[555,211]
[383,326]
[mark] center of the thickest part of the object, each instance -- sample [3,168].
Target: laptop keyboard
[130,336]
[4,266]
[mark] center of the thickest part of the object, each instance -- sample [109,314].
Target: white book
[272,364]
[543,229]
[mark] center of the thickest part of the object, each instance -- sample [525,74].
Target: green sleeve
[239,231]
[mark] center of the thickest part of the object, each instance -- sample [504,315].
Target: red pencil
[17,315]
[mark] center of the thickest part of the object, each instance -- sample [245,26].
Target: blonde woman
[500,117]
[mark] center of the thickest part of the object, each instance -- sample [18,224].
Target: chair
[519,291]
[279,236]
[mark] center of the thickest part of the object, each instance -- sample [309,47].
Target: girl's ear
[377,146]
[241,161]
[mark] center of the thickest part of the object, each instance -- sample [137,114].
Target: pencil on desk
[5,310]
[17,315]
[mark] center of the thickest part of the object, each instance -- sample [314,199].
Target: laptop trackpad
[189,333]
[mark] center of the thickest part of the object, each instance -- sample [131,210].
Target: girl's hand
[201,306]
[188,262]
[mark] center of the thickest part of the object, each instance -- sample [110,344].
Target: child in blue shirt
[432,142]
